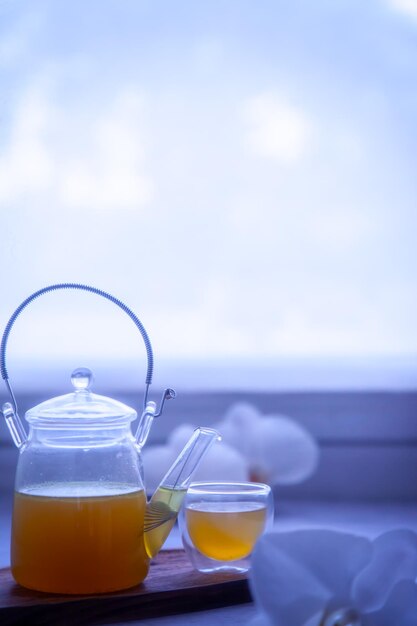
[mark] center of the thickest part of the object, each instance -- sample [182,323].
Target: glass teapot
[81,520]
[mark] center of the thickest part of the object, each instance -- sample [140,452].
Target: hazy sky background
[242,174]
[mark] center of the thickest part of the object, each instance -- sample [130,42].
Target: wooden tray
[172,586]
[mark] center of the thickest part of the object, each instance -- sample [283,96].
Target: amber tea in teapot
[89,542]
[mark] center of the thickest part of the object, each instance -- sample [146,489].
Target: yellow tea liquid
[165,504]
[225,531]
[79,539]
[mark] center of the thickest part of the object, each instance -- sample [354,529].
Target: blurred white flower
[278,450]
[329,578]
[221,462]
[271,449]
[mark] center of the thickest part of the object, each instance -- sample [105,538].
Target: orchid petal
[284,589]
[241,414]
[157,460]
[222,463]
[334,557]
[179,436]
[294,575]
[286,453]
[394,559]
[239,428]
[399,610]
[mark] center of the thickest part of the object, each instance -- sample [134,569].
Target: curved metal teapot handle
[99,292]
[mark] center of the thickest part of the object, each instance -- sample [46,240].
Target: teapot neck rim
[79,423]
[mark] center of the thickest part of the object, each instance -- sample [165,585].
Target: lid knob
[82,379]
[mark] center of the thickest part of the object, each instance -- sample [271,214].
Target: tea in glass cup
[221,522]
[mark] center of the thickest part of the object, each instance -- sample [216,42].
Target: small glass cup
[220,523]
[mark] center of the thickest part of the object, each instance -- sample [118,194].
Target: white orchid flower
[329,578]
[221,463]
[273,449]
[278,450]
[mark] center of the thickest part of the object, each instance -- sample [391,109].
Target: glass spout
[162,509]
[145,424]
[14,425]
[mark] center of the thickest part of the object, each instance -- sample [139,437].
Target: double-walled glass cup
[221,522]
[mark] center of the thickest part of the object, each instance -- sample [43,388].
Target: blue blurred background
[241,174]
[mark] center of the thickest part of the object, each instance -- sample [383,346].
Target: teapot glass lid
[81,405]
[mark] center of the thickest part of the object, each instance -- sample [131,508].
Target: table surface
[368,519]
